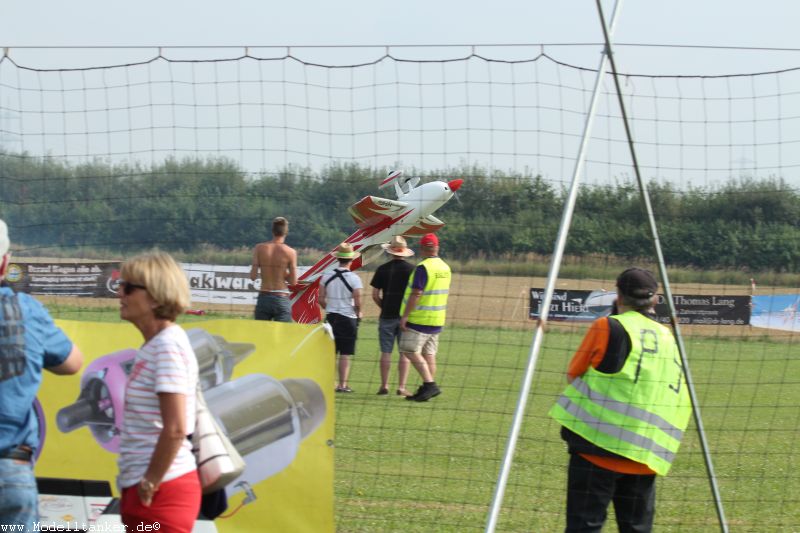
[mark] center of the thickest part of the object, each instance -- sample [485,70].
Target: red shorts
[175,506]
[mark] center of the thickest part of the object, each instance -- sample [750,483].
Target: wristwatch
[148,485]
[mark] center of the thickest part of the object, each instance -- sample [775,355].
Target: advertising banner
[230,285]
[219,284]
[269,384]
[587,306]
[776,311]
[88,279]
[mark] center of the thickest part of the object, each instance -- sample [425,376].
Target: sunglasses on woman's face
[128,287]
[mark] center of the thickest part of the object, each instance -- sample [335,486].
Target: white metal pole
[555,264]
[662,268]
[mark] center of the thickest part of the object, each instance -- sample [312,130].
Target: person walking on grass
[623,413]
[422,316]
[388,286]
[340,296]
[277,264]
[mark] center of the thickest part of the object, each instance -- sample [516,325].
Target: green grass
[420,467]
[403,466]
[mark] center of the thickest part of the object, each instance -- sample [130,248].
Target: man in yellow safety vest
[624,411]
[422,316]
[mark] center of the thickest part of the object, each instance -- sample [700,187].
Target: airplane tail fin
[400,184]
[393,177]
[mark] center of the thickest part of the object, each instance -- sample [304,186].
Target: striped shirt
[168,364]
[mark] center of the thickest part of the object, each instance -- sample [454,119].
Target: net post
[712,478]
[552,277]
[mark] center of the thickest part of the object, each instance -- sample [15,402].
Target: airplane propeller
[454,186]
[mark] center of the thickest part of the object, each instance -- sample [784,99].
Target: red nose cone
[455,184]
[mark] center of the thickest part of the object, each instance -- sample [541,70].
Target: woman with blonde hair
[157,470]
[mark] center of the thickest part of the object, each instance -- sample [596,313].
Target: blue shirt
[29,341]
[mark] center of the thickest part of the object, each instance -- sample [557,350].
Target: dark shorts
[345,333]
[388,334]
[273,307]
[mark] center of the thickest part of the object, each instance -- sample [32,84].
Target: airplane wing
[371,210]
[368,254]
[429,224]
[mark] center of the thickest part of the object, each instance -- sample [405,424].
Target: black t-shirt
[392,278]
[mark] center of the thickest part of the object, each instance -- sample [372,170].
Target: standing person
[624,411]
[157,471]
[340,296]
[388,286]
[422,316]
[278,265]
[29,342]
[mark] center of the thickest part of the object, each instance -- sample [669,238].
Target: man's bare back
[277,263]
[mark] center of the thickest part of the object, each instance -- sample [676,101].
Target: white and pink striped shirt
[166,363]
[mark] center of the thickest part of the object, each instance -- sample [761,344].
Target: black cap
[637,283]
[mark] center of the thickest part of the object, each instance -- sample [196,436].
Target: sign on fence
[97,279]
[221,284]
[776,311]
[583,306]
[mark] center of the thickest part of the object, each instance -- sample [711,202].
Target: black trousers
[591,488]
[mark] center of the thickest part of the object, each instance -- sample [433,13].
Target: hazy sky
[266,114]
[766,23]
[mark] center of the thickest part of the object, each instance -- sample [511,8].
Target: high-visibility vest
[639,412]
[432,305]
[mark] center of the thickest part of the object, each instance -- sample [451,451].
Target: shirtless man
[278,264]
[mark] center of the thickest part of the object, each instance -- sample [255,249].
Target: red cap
[429,240]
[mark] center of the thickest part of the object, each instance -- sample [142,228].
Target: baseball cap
[5,244]
[637,282]
[429,240]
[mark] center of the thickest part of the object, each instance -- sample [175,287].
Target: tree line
[181,204]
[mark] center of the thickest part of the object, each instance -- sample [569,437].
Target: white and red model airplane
[378,220]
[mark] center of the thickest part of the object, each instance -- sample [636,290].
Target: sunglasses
[128,287]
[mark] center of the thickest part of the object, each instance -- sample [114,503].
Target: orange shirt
[591,353]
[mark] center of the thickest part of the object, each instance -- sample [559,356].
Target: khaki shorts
[413,341]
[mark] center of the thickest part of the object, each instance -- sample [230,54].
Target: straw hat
[345,251]
[397,246]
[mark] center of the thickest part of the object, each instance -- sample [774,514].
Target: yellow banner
[270,383]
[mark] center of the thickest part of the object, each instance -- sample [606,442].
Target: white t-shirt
[338,299]
[166,363]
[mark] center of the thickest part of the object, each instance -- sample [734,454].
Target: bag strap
[340,274]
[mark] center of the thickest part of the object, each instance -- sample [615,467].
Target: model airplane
[378,220]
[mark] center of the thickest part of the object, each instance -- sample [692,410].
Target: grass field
[403,466]
[432,467]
